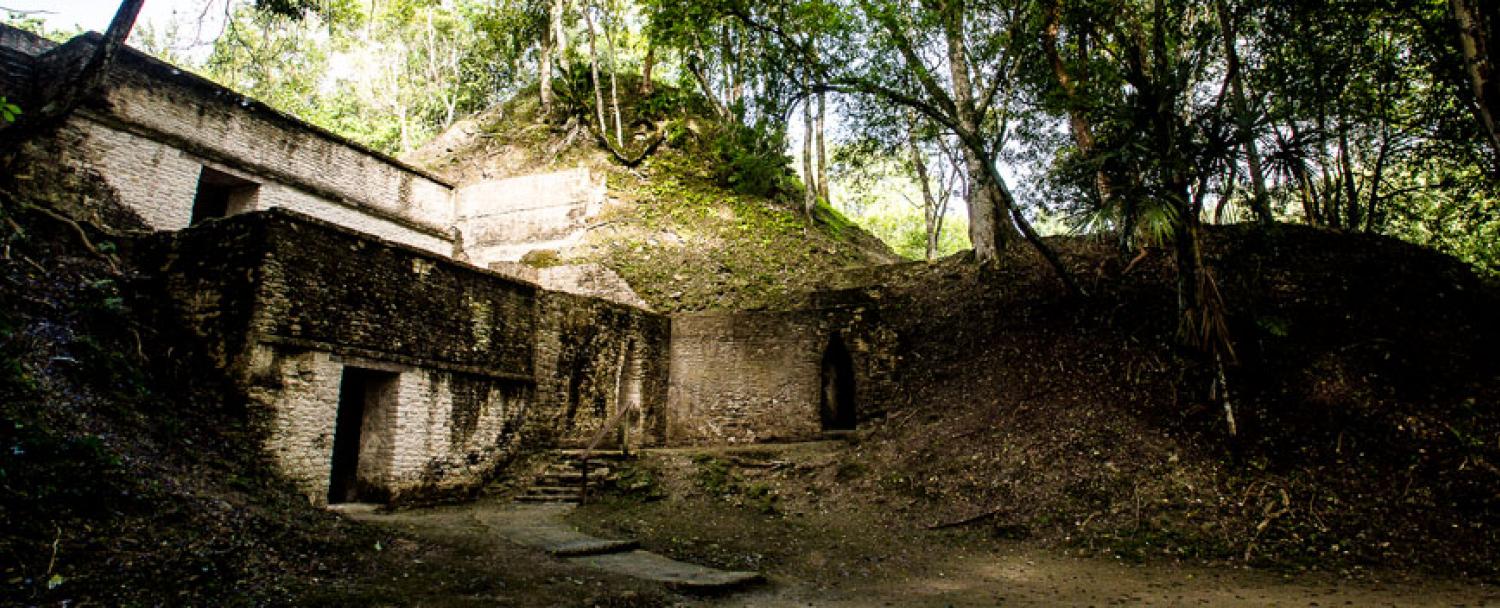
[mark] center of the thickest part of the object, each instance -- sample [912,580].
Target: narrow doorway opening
[222,195]
[361,450]
[837,407]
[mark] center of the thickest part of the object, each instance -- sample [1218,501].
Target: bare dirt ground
[908,570]
[1024,576]
[727,508]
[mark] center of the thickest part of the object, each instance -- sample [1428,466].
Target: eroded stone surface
[479,365]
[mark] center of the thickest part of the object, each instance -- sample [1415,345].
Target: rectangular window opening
[222,195]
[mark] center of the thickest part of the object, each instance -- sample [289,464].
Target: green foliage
[34,24]
[389,75]
[716,477]
[1452,208]
[9,111]
[752,160]
[713,475]
[884,199]
[639,482]
[541,258]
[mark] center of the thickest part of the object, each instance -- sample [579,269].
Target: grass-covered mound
[703,222]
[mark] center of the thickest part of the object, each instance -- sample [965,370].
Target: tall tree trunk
[989,228]
[822,155]
[706,87]
[1260,201]
[1078,120]
[1477,21]
[588,20]
[1346,174]
[544,72]
[810,190]
[557,13]
[929,202]
[647,67]
[614,88]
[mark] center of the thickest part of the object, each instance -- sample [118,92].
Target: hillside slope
[1365,393]
[671,227]
[1365,396]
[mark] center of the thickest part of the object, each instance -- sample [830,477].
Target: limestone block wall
[159,181]
[745,377]
[760,376]
[481,366]
[154,127]
[446,432]
[594,357]
[329,287]
[503,219]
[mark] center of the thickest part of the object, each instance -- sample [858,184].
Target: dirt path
[1037,578]
[932,572]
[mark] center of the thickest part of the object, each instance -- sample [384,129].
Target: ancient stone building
[385,371]
[372,315]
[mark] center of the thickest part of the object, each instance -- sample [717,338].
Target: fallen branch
[967,520]
[620,156]
[1145,251]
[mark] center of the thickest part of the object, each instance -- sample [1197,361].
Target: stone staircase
[562,480]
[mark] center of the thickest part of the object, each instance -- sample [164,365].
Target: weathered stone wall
[447,431]
[331,288]
[745,377]
[758,376]
[159,181]
[484,365]
[503,219]
[154,127]
[210,280]
[593,357]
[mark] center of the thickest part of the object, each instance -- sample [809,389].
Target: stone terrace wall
[745,377]
[448,432]
[593,356]
[757,376]
[503,219]
[330,288]
[483,366]
[156,126]
[210,280]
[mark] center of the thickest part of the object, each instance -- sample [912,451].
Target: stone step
[577,467]
[552,490]
[681,576]
[562,480]
[610,455]
[592,546]
[547,499]
[571,473]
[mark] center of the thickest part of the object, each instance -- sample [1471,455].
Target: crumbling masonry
[372,313]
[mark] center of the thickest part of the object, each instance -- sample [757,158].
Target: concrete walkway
[541,526]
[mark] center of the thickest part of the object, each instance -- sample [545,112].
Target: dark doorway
[365,405]
[221,195]
[837,407]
